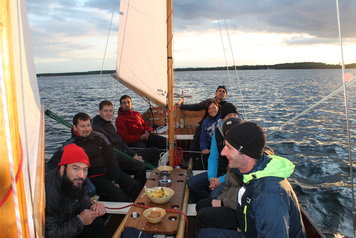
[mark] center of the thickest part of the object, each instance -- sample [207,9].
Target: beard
[71,190]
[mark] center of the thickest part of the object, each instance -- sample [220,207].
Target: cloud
[76,26]
[316,18]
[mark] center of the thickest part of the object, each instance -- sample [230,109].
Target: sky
[70,35]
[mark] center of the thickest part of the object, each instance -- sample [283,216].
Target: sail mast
[170,84]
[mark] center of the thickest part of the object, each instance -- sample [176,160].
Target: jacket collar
[270,166]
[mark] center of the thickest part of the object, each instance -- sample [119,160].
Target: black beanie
[227,108]
[248,138]
[232,121]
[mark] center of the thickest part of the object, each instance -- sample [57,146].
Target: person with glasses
[211,183]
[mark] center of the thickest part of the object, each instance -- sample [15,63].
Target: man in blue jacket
[267,205]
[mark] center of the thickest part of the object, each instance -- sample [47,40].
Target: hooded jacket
[267,204]
[130,125]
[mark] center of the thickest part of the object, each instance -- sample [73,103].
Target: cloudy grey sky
[70,35]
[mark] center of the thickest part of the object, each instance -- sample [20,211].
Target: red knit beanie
[74,154]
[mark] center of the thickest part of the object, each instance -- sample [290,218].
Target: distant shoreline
[302,65]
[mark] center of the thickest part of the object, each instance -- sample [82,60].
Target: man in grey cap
[211,183]
[267,205]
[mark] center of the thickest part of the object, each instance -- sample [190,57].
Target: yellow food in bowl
[159,195]
[165,168]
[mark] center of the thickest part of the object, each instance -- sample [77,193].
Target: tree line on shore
[301,65]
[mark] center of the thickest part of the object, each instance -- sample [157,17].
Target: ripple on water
[315,142]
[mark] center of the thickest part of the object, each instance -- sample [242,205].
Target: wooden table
[173,222]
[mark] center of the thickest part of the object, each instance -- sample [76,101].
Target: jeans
[199,187]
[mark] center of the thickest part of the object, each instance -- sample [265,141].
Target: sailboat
[21,129]
[145,65]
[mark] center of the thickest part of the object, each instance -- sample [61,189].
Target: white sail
[22,123]
[142,48]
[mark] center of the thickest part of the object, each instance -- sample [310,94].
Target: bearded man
[69,211]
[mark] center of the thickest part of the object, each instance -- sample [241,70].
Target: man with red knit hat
[69,211]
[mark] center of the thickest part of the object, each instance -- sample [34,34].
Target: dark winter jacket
[62,212]
[198,106]
[268,206]
[130,125]
[107,128]
[207,130]
[100,153]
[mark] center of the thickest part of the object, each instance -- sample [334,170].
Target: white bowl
[156,196]
[165,168]
[156,210]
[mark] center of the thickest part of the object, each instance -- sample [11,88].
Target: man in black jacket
[103,124]
[220,95]
[69,212]
[111,183]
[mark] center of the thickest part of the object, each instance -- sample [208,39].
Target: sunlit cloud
[260,32]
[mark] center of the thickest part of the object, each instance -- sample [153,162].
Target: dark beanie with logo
[232,121]
[248,138]
[227,108]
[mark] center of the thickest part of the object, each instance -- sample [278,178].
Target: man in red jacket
[133,129]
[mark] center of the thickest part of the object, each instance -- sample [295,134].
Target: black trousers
[108,191]
[94,230]
[150,154]
[133,167]
[217,217]
[153,141]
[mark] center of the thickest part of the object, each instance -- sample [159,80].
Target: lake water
[316,142]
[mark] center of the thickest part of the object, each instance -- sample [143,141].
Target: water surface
[316,143]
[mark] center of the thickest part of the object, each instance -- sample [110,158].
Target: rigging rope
[347,118]
[107,41]
[311,107]
[233,61]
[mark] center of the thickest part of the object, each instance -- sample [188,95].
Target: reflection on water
[316,143]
